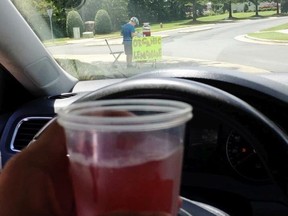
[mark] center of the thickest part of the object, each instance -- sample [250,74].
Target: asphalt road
[225,42]
[219,44]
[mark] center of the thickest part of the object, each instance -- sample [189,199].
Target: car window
[100,39]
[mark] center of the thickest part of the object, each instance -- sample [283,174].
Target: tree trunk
[230,10]
[277,6]
[194,11]
[256,8]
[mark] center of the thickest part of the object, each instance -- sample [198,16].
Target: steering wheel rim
[232,109]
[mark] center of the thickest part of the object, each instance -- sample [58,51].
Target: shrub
[209,13]
[103,24]
[74,20]
[284,6]
[246,8]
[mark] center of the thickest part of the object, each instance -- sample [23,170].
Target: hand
[36,181]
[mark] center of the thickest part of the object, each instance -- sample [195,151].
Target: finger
[48,152]
[48,148]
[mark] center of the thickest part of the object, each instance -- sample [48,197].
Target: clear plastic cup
[126,155]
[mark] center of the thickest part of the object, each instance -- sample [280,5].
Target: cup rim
[171,113]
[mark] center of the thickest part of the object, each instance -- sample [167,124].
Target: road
[222,42]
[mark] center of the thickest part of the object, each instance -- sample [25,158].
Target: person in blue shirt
[128,32]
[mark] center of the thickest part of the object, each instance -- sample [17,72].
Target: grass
[56,41]
[249,15]
[277,36]
[277,28]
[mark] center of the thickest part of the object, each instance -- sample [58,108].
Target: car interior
[236,144]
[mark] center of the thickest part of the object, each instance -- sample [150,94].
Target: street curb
[266,40]
[195,30]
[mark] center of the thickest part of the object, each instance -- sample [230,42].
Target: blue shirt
[127,31]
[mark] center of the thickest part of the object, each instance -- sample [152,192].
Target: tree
[277,7]
[255,2]
[227,5]
[118,12]
[39,22]
[246,7]
[89,10]
[193,2]
[196,6]
[230,9]
[142,10]
[176,10]
[155,11]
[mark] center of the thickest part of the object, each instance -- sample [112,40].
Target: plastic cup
[126,155]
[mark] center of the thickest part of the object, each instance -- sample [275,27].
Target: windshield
[99,39]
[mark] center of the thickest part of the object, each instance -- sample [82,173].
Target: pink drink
[151,186]
[126,155]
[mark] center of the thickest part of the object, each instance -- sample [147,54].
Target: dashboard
[220,149]
[235,145]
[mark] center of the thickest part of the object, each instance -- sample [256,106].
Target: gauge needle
[246,158]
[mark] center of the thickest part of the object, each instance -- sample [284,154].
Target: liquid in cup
[134,171]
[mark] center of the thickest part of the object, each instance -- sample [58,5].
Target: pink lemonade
[152,186]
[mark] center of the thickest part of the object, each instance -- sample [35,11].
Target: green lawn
[270,36]
[276,28]
[235,16]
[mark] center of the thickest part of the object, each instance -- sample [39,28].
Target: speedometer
[243,158]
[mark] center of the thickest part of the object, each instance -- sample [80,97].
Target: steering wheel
[269,141]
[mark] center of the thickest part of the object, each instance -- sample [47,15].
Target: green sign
[147,48]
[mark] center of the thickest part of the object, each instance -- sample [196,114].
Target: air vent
[26,130]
